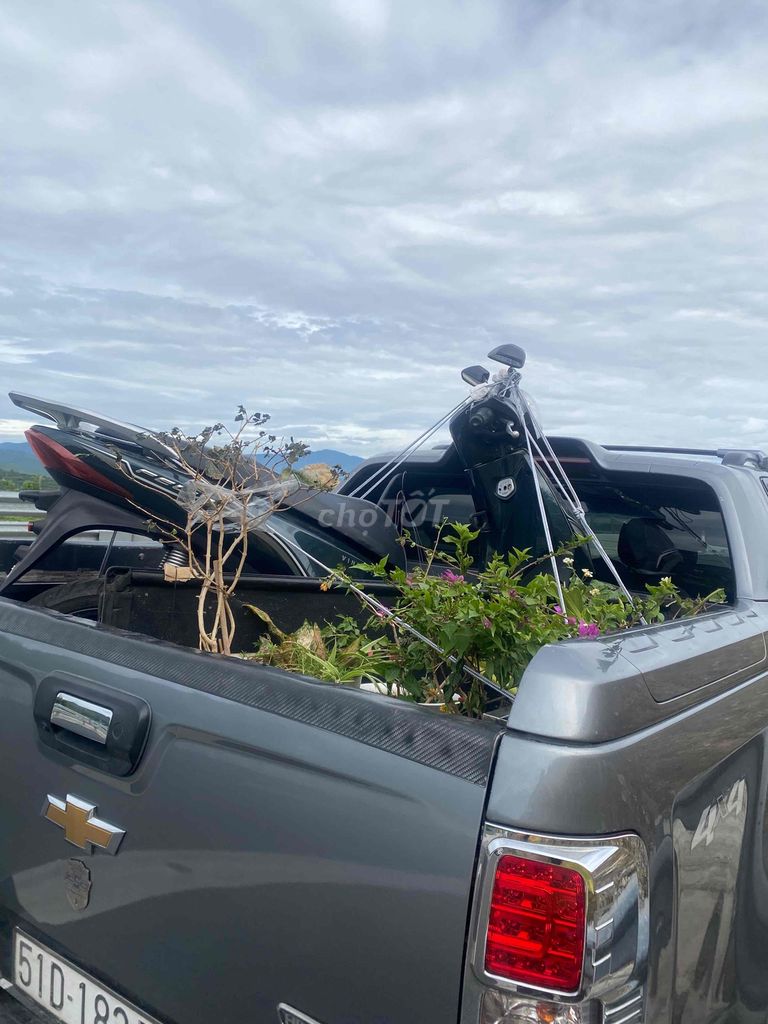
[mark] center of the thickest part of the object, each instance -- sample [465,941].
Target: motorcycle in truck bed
[191,838]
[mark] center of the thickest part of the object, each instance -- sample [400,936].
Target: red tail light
[56,458]
[536,926]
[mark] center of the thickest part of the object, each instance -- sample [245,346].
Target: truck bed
[282,836]
[297,844]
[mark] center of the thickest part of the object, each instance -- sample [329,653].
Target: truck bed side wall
[692,781]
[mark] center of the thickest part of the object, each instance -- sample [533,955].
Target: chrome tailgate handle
[91,723]
[81,717]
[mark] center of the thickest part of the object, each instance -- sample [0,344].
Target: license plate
[64,991]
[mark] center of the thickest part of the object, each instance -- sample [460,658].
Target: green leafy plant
[339,653]
[487,623]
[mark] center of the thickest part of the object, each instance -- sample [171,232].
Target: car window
[669,528]
[422,514]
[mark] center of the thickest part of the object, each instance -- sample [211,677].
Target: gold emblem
[81,829]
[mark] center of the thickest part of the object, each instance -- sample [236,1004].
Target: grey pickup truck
[192,839]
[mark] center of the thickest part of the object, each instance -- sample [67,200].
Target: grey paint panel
[265,860]
[591,691]
[686,656]
[694,788]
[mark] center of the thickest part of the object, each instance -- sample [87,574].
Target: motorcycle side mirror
[474,375]
[509,355]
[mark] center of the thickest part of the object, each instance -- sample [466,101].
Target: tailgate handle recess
[91,721]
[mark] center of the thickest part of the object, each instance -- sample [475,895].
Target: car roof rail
[661,449]
[744,457]
[728,456]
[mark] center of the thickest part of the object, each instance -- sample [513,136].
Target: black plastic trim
[447,743]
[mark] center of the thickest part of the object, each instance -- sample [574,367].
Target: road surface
[12,1013]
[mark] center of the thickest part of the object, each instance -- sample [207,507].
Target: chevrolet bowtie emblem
[81,829]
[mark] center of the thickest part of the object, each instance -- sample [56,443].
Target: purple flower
[557,610]
[379,613]
[487,622]
[513,593]
[571,620]
[589,629]
[452,577]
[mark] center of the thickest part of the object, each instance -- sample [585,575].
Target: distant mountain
[17,455]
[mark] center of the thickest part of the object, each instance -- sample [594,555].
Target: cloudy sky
[323,209]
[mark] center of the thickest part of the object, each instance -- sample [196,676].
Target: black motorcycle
[123,478]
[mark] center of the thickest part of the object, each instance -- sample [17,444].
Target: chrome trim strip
[631,1016]
[604,924]
[619,1007]
[285,548]
[290,1015]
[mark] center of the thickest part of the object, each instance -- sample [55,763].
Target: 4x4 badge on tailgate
[81,829]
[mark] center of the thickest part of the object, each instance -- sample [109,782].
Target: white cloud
[15,353]
[13,429]
[328,210]
[369,17]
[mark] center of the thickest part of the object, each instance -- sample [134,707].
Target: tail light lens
[56,458]
[536,924]
[559,929]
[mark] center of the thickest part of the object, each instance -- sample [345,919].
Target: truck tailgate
[285,841]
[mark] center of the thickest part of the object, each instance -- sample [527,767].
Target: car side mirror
[509,355]
[474,375]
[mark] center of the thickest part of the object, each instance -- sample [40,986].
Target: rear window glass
[423,514]
[654,526]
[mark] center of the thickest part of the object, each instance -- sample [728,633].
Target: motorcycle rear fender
[74,513]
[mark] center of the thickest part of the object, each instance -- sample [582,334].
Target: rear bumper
[15,1009]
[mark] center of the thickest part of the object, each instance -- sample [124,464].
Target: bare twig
[224,468]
